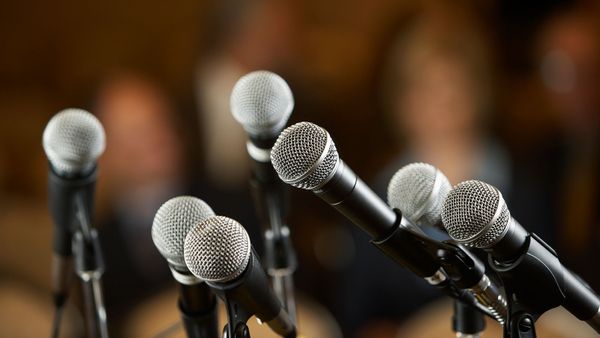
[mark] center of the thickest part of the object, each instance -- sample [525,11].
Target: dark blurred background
[503,91]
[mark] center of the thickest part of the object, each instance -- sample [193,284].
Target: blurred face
[570,71]
[142,146]
[437,101]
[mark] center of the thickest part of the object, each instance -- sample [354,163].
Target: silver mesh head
[475,213]
[173,221]
[419,190]
[305,156]
[73,140]
[262,102]
[217,249]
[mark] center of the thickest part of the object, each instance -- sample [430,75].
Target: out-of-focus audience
[249,36]
[145,167]
[561,171]
[438,95]
[447,98]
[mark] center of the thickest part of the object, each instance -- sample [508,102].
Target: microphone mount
[89,267]
[270,197]
[461,269]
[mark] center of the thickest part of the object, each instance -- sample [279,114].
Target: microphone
[172,222]
[419,190]
[218,251]
[262,103]
[305,157]
[73,140]
[476,214]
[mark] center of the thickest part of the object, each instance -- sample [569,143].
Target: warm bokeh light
[503,91]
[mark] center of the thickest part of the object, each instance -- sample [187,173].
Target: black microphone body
[269,194]
[249,294]
[270,197]
[348,194]
[198,309]
[62,193]
[475,213]
[197,304]
[354,199]
[305,156]
[535,274]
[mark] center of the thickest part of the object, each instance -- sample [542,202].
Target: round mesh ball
[262,102]
[217,249]
[304,156]
[468,214]
[173,221]
[411,190]
[73,140]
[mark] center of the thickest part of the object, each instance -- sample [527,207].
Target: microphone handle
[354,199]
[270,197]
[349,195]
[414,251]
[198,309]
[541,282]
[467,321]
[62,277]
[249,295]
[63,194]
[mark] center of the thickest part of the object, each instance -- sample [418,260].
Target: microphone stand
[269,195]
[236,326]
[534,286]
[461,269]
[89,266]
[467,321]
[520,322]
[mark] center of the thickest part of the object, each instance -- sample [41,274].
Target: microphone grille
[173,221]
[304,156]
[73,140]
[475,213]
[217,249]
[262,102]
[419,191]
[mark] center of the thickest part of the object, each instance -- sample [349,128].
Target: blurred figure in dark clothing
[143,167]
[562,172]
[438,89]
[146,164]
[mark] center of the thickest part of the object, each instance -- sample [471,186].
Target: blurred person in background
[26,228]
[438,96]
[560,173]
[143,167]
[247,36]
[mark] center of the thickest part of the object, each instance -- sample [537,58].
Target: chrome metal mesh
[73,140]
[217,249]
[411,190]
[173,221]
[468,211]
[262,102]
[304,156]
